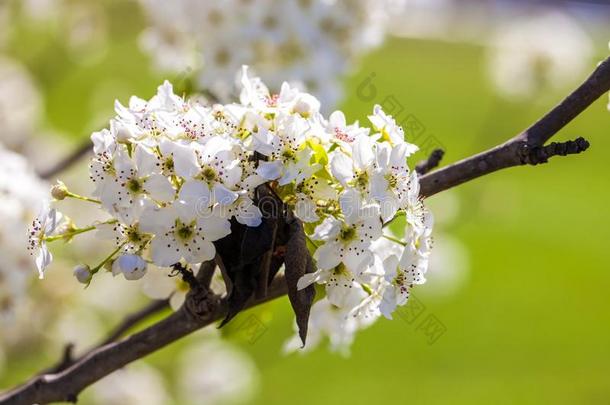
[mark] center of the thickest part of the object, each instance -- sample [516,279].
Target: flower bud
[133,267]
[82,272]
[59,191]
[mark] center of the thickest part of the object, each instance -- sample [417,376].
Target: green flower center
[168,164]
[134,236]
[184,231]
[288,154]
[347,233]
[392,180]
[362,179]
[400,278]
[134,185]
[208,175]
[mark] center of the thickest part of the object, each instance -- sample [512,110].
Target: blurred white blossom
[22,194]
[20,104]
[313,43]
[449,267]
[542,50]
[215,372]
[135,384]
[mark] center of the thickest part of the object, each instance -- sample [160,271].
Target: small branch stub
[432,162]
[542,154]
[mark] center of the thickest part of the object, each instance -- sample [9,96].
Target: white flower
[328,320]
[243,210]
[125,232]
[134,180]
[348,241]
[45,224]
[388,130]
[343,133]
[355,170]
[414,259]
[133,267]
[397,291]
[390,180]
[183,233]
[213,166]
[308,193]
[288,160]
[21,192]
[416,213]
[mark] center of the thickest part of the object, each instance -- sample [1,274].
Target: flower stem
[69,234]
[107,259]
[82,197]
[395,240]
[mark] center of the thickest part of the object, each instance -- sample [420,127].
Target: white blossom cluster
[312,42]
[20,104]
[20,192]
[210,371]
[538,51]
[171,173]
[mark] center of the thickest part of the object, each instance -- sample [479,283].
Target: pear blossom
[343,133]
[181,233]
[45,224]
[347,241]
[128,237]
[329,320]
[391,181]
[288,160]
[175,174]
[214,166]
[135,180]
[388,130]
[355,170]
[308,193]
[157,284]
[397,291]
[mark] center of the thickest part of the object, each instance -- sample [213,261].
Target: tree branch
[67,384]
[68,161]
[522,149]
[202,308]
[154,307]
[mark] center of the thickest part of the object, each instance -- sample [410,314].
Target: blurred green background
[530,324]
